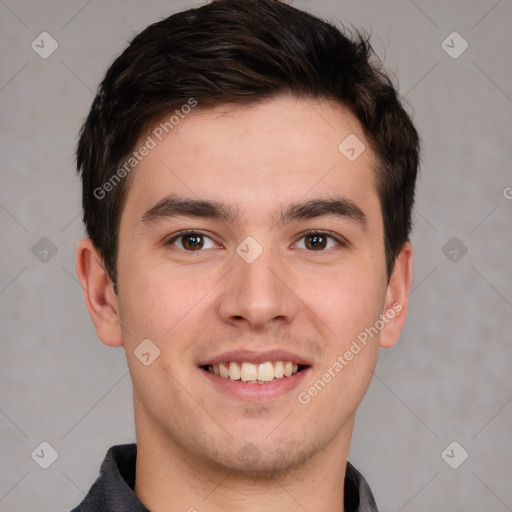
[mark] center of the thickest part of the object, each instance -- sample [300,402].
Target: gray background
[449,377]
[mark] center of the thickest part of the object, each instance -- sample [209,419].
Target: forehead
[255,157]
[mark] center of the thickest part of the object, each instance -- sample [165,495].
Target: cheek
[159,300]
[348,308]
[346,302]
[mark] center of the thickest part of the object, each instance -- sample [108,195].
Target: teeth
[249,372]
[266,372]
[223,370]
[234,371]
[279,370]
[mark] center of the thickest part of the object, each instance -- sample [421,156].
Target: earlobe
[397,297]
[99,295]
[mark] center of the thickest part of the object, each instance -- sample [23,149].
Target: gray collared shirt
[113,490]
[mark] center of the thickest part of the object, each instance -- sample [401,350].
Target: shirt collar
[113,490]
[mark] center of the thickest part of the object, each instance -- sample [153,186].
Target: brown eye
[316,241]
[192,242]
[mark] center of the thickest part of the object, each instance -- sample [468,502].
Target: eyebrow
[175,206]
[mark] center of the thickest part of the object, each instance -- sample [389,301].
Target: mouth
[250,373]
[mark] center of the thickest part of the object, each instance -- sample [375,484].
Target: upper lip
[256,357]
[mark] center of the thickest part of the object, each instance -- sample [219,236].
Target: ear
[397,297]
[98,289]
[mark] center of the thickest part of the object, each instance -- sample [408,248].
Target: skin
[196,304]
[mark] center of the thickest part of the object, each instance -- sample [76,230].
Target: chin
[261,459]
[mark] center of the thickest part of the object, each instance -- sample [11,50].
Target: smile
[262,373]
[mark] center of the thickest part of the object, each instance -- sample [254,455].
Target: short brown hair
[232,51]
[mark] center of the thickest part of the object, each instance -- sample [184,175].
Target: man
[248,179]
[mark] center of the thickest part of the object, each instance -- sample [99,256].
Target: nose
[258,295]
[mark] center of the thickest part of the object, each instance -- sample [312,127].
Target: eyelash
[340,240]
[330,234]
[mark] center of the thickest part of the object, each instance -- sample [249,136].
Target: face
[281,269]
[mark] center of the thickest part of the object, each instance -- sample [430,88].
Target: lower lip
[255,391]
